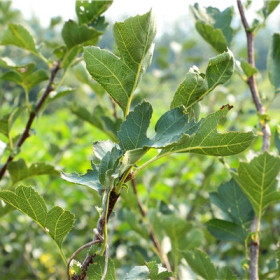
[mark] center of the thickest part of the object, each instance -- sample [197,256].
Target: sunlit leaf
[120,75]
[258,181]
[56,222]
[197,85]
[18,36]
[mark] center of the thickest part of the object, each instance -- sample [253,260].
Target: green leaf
[155,273]
[107,167]
[132,134]
[89,11]
[18,36]
[214,25]
[56,222]
[278,260]
[269,7]
[95,269]
[273,62]
[201,264]
[74,34]
[120,75]
[197,85]
[61,92]
[208,141]
[258,181]
[248,69]
[90,179]
[237,209]
[225,273]
[225,230]
[169,128]
[20,171]
[101,148]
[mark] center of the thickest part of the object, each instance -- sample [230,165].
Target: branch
[32,116]
[255,242]
[151,231]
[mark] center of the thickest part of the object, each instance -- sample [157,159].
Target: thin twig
[151,231]
[78,251]
[32,116]
[255,242]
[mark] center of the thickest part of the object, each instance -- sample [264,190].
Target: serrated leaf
[20,171]
[56,222]
[208,141]
[132,134]
[120,75]
[225,230]
[90,179]
[95,269]
[201,264]
[237,209]
[155,273]
[273,62]
[18,36]
[74,34]
[258,181]
[89,11]
[225,273]
[169,128]
[214,25]
[197,85]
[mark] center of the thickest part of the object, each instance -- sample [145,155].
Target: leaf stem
[105,224]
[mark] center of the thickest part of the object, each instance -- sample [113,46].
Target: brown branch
[151,231]
[32,116]
[78,251]
[255,243]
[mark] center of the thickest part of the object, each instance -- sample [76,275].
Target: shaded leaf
[208,141]
[248,69]
[197,85]
[214,25]
[225,230]
[74,34]
[90,179]
[120,75]
[89,11]
[138,273]
[95,269]
[101,148]
[269,7]
[20,171]
[258,181]
[225,273]
[201,264]
[273,62]
[56,222]
[156,271]
[18,36]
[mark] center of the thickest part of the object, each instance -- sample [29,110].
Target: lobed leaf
[120,75]
[197,85]
[258,181]
[206,140]
[56,222]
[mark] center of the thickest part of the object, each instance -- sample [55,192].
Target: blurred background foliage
[175,193]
